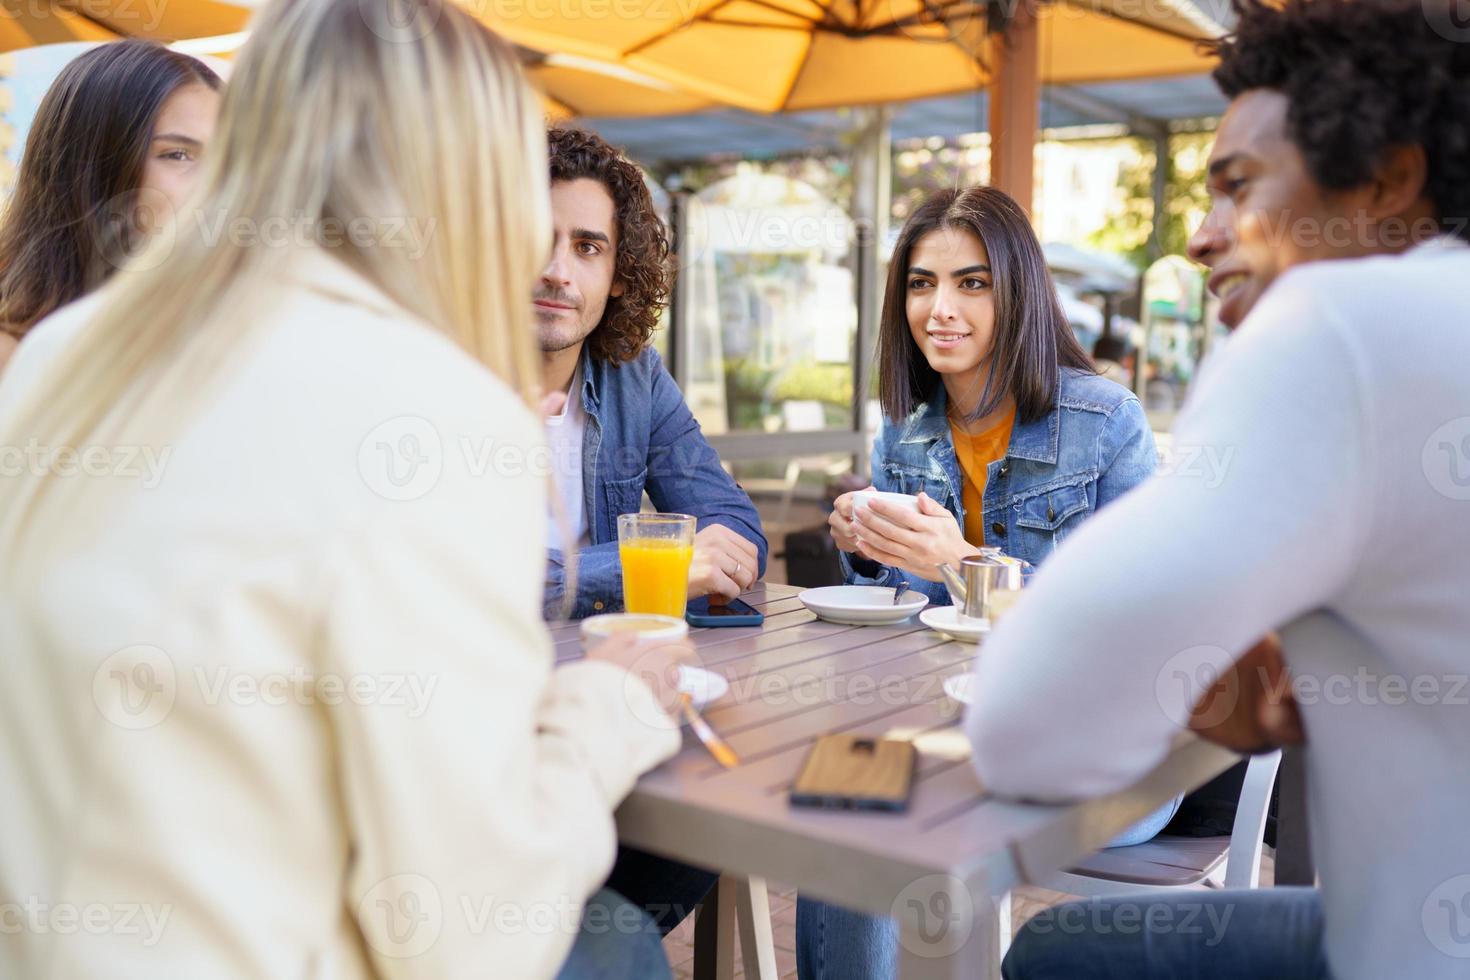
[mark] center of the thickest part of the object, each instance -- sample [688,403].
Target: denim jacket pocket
[623,497]
[1049,508]
[1044,515]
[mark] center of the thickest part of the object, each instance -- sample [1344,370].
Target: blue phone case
[697,613]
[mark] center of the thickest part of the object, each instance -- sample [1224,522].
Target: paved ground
[1025,902]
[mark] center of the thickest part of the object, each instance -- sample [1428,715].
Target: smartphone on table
[856,772]
[729,612]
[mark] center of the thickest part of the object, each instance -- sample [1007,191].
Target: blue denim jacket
[641,436]
[1094,445]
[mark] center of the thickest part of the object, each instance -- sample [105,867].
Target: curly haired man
[624,428]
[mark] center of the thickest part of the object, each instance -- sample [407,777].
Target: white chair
[1185,862]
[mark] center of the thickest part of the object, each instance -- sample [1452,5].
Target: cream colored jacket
[292,712]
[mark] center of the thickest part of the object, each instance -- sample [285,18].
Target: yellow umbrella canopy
[576,86]
[571,85]
[25,23]
[782,55]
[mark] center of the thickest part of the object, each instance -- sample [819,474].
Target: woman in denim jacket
[995,418]
[992,410]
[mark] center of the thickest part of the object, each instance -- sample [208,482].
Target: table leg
[757,944]
[715,932]
[938,940]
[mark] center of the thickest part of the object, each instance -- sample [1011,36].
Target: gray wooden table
[942,868]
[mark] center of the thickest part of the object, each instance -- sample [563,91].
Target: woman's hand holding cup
[840,523]
[648,649]
[915,539]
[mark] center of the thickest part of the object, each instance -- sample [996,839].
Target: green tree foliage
[1128,231]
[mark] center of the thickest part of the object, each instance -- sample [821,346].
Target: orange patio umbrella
[783,55]
[572,85]
[26,23]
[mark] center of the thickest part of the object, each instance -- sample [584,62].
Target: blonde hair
[337,110]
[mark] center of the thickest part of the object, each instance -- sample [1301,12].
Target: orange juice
[656,575]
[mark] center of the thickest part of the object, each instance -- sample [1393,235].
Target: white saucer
[702,686]
[958,687]
[862,605]
[946,620]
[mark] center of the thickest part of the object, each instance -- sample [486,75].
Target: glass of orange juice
[656,551]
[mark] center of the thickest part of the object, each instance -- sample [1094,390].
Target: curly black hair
[642,261]
[1361,77]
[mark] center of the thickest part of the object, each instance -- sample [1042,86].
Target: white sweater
[1338,417]
[293,714]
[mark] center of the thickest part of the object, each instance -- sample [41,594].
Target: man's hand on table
[725,564]
[1250,708]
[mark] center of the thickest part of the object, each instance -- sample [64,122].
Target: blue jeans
[1148,828]
[833,943]
[616,942]
[1263,933]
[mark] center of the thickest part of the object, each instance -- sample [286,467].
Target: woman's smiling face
[949,300]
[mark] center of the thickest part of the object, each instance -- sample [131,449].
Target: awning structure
[736,131]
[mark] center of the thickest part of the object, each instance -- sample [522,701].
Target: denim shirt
[1094,445]
[640,435]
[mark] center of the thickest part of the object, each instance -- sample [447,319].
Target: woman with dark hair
[994,415]
[996,419]
[115,141]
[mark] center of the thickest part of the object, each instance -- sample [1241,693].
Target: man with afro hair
[1340,182]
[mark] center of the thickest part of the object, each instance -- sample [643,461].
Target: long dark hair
[79,175]
[1033,340]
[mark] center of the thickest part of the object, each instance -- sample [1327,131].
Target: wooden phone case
[856,772]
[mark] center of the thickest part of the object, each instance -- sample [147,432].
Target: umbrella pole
[872,174]
[1015,104]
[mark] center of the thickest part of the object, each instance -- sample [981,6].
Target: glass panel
[773,315]
[661,205]
[1175,334]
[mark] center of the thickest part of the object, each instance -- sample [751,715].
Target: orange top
[975,454]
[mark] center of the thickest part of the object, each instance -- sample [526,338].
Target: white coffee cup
[651,629]
[862,498]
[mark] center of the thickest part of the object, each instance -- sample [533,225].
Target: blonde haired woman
[278,701]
